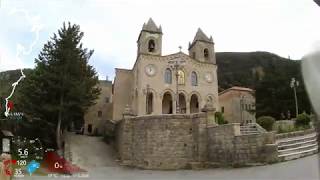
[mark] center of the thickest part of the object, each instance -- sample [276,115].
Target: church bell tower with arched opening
[150,39]
[202,48]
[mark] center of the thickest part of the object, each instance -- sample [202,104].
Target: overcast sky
[111,27]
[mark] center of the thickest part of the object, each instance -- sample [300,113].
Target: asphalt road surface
[92,154]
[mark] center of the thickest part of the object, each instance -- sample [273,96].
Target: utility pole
[177,64]
[294,84]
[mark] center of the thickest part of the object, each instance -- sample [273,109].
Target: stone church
[167,84]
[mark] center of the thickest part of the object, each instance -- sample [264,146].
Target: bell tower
[202,48]
[150,39]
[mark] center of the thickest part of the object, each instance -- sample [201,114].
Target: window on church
[194,79]
[168,76]
[107,99]
[206,53]
[181,77]
[151,45]
[99,113]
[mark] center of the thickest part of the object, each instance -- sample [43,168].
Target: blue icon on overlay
[32,167]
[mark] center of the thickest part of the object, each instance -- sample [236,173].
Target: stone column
[188,106]
[126,137]
[127,113]
[157,104]
[210,111]
[174,105]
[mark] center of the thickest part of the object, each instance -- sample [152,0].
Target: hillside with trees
[269,75]
[58,91]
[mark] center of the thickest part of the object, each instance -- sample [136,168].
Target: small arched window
[181,77]
[168,76]
[151,45]
[194,79]
[99,113]
[206,53]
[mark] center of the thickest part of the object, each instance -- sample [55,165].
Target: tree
[266,122]
[63,85]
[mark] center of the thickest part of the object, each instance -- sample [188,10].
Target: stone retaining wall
[180,141]
[283,124]
[295,134]
[227,147]
[162,141]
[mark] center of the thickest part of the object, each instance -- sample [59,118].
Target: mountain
[6,80]
[269,75]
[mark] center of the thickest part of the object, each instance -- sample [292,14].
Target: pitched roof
[237,88]
[151,26]
[201,36]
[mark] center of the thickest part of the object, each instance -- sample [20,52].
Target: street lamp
[177,64]
[294,84]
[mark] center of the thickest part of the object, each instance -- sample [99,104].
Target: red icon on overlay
[7,167]
[10,105]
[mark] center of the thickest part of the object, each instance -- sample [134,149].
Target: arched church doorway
[194,104]
[167,103]
[182,103]
[149,103]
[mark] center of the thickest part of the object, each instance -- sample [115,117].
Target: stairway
[297,147]
[249,129]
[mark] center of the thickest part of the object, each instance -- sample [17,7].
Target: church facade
[177,83]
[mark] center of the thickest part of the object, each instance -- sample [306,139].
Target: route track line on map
[14,85]
[36,27]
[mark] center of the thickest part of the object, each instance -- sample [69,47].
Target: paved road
[100,165]
[91,152]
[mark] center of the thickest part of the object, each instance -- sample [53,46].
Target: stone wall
[162,141]
[226,146]
[295,134]
[180,141]
[283,124]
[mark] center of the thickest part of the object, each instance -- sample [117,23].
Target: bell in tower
[202,48]
[150,39]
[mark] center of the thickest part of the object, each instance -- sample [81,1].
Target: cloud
[23,49]
[112,27]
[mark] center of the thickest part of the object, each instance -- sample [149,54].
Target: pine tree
[63,85]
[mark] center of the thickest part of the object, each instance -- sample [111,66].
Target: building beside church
[238,105]
[98,114]
[150,87]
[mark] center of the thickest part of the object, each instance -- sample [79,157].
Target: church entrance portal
[194,104]
[149,106]
[167,103]
[182,103]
